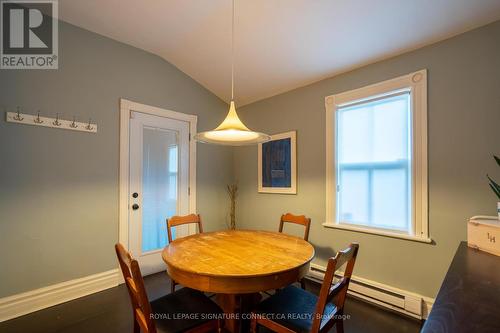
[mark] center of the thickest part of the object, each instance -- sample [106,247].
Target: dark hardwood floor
[109,311]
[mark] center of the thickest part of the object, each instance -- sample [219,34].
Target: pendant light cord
[232,56]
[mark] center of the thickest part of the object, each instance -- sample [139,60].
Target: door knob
[135,206]
[135,194]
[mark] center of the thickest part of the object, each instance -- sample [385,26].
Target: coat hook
[56,122]
[37,119]
[73,124]
[89,127]
[17,116]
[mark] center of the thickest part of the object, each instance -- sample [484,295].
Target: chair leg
[340,326]
[253,325]
[137,328]
[172,286]
[219,325]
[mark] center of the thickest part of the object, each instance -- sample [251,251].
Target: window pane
[172,158]
[354,131]
[172,187]
[374,131]
[172,169]
[390,199]
[374,163]
[353,197]
[390,129]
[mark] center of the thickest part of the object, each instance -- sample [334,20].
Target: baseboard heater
[410,304]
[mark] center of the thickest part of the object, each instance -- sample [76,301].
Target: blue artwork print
[276,163]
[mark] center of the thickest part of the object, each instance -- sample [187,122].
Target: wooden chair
[297,219]
[175,221]
[162,315]
[318,313]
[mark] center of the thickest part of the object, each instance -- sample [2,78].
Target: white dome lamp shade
[232,132]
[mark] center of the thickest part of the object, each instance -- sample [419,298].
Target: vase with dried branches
[232,190]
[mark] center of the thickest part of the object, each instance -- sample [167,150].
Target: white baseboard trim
[34,300]
[389,297]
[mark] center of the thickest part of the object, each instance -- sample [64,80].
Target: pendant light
[232,131]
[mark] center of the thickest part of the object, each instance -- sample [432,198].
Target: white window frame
[416,84]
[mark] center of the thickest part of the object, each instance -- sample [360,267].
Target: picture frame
[277,164]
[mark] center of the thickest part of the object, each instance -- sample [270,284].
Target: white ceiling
[280,44]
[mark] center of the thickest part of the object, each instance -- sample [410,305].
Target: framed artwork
[277,164]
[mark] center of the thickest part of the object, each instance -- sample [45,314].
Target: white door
[159,185]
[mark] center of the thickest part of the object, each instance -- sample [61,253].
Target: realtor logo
[29,33]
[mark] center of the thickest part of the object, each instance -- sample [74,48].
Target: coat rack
[37,120]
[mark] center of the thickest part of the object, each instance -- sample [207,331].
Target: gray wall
[464,118]
[59,189]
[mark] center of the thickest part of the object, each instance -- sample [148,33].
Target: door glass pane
[159,185]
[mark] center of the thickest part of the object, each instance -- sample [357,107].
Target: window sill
[378,232]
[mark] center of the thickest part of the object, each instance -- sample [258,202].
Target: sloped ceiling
[280,44]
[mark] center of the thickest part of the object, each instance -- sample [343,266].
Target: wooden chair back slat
[175,221]
[296,219]
[338,291]
[345,256]
[137,292]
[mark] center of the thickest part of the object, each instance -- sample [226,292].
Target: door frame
[126,108]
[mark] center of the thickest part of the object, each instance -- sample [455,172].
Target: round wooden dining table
[237,265]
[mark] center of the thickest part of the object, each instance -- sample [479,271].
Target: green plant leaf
[497,159]
[493,182]
[494,186]
[497,192]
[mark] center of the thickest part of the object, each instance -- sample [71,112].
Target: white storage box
[483,233]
